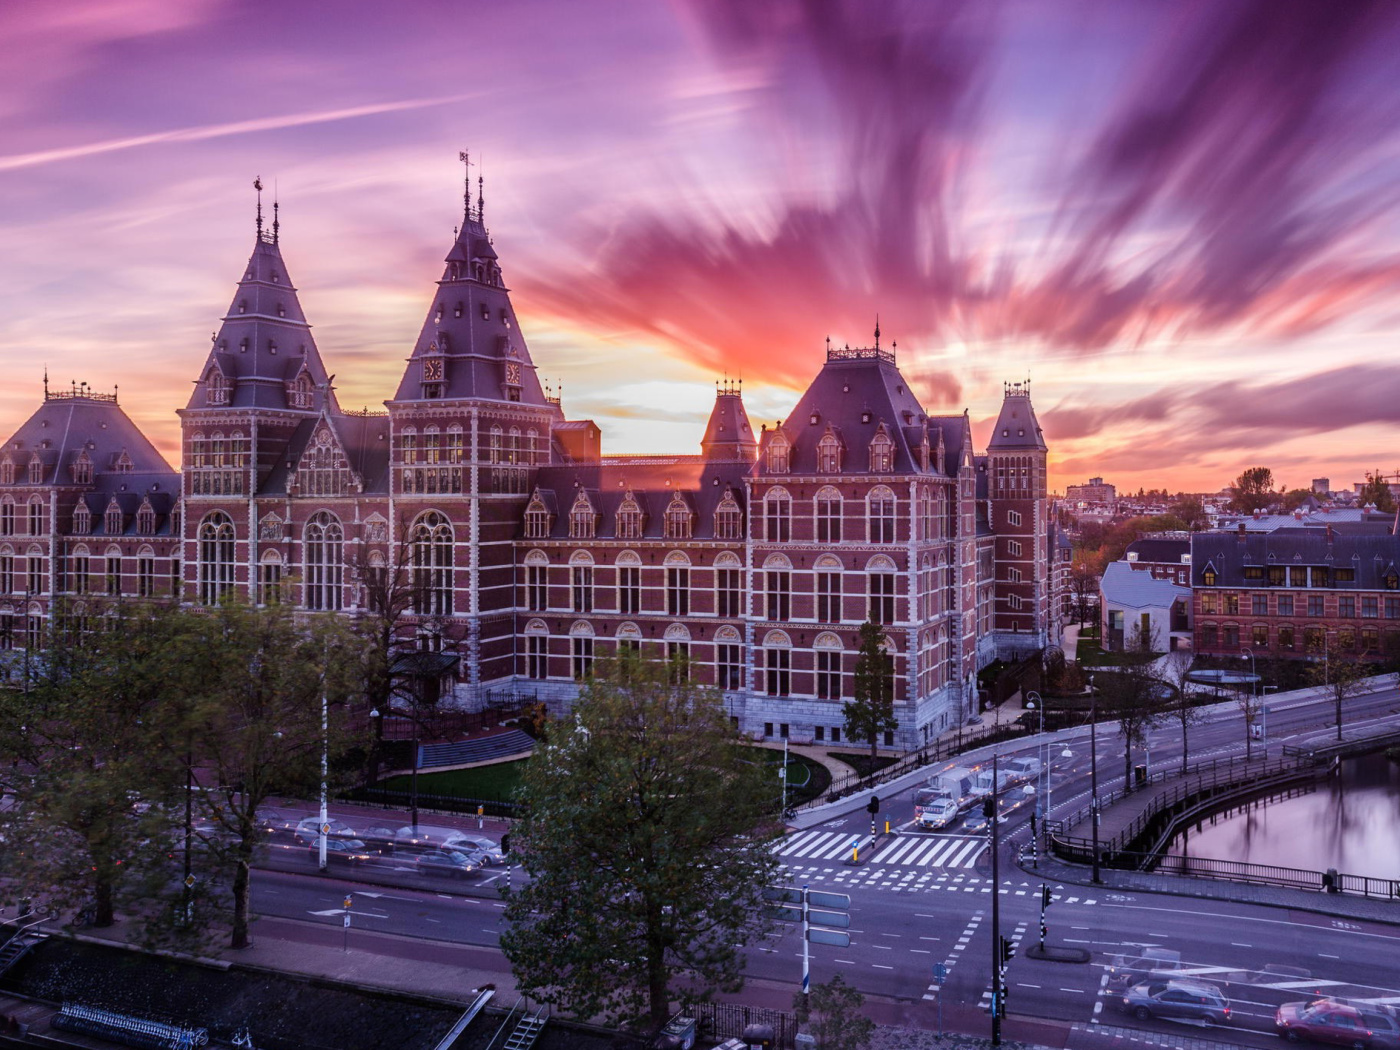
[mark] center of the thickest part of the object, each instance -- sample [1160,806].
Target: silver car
[1181,1000]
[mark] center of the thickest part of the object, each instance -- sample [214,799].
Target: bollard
[855,854]
[887,827]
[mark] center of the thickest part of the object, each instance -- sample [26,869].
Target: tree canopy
[645,837]
[871,712]
[1253,490]
[1377,491]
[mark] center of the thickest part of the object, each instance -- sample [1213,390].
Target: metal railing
[728,1020]
[1264,874]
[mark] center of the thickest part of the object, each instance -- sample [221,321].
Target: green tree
[833,1015]
[645,838]
[871,712]
[1377,491]
[1132,696]
[1293,499]
[1253,490]
[1190,510]
[86,783]
[252,685]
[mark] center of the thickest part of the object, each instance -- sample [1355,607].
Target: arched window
[324,562]
[729,519]
[7,517]
[829,454]
[301,391]
[431,540]
[7,471]
[115,522]
[495,445]
[629,518]
[36,469]
[777,507]
[678,519]
[777,649]
[536,519]
[828,659]
[82,469]
[583,521]
[828,588]
[828,510]
[36,516]
[881,505]
[779,453]
[216,557]
[270,579]
[218,387]
[82,519]
[881,452]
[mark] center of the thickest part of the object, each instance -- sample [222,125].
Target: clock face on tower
[513,373]
[432,370]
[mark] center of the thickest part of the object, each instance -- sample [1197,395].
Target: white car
[476,844]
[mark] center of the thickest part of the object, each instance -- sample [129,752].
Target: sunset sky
[1180,220]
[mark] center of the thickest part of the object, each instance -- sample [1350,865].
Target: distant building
[1139,608]
[1166,558]
[1094,491]
[1322,486]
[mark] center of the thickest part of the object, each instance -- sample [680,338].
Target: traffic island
[1052,954]
[858,851]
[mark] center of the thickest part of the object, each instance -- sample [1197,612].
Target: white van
[1022,768]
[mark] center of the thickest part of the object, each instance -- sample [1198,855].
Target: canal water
[1350,821]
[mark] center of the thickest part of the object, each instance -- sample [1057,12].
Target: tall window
[779,672]
[678,656]
[35,563]
[829,455]
[778,588]
[146,520]
[537,656]
[36,517]
[582,656]
[629,589]
[581,588]
[7,518]
[431,540]
[629,519]
[270,580]
[882,597]
[536,521]
[1285,638]
[114,574]
[678,590]
[114,520]
[829,597]
[81,569]
[145,576]
[778,450]
[729,520]
[882,516]
[678,520]
[881,453]
[729,666]
[82,519]
[728,598]
[537,587]
[7,573]
[828,674]
[778,510]
[216,557]
[582,520]
[324,562]
[828,516]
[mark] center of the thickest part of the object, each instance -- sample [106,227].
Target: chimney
[1329,533]
[1242,530]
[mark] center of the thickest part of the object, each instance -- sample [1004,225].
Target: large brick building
[530,552]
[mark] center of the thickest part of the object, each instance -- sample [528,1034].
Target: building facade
[527,553]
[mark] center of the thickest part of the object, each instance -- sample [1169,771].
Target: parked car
[380,839]
[1194,1000]
[1338,1024]
[351,852]
[446,863]
[489,850]
[309,830]
[1129,969]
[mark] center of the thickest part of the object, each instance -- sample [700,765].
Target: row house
[1295,592]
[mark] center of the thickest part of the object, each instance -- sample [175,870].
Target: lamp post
[1042,807]
[325,762]
[1094,772]
[1249,706]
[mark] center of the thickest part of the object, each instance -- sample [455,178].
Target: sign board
[819,936]
[347,920]
[782,893]
[189,882]
[829,918]
[325,829]
[839,901]
[787,914]
[940,972]
[348,902]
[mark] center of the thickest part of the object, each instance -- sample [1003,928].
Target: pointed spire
[481,198]
[877,331]
[465,158]
[257,185]
[46,381]
[275,222]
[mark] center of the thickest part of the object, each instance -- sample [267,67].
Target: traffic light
[1045,896]
[989,808]
[1008,951]
[505,843]
[873,806]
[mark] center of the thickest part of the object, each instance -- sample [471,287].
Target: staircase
[464,752]
[20,942]
[523,1036]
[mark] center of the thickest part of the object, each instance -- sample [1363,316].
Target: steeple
[263,355]
[470,346]
[729,436]
[1016,427]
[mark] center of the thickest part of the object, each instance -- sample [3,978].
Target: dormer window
[82,519]
[218,388]
[272,346]
[505,318]
[729,519]
[114,520]
[243,345]
[678,520]
[629,519]
[865,416]
[457,311]
[485,312]
[438,316]
[281,311]
[583,522]
[301,393]
[779,453]
[1208,577]
[36,469]
[7,471]
[243,306]
[146,519]
[881,453]
[82,469]
[123,464]
[829,454]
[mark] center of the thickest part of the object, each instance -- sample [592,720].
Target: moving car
[491,852]
[1339,1024]
[933,809]
[351,852]
[309,830]
[1129,969]
[446,864]
[1191,1000]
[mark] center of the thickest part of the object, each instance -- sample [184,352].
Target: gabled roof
[1160,551]
[1124,587]
[263,342]
[1372,557]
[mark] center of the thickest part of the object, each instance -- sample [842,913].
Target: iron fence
[728,1020]
[1261,874]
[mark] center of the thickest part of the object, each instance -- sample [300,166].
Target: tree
[645,837]
[1191,511]
[1132,696]
[1253,490]
[1084,585]
[871,712]
[1176,675]
[1338,672]
[1293,499]
[1377,491]
[86,784]
[254,686]
[833,1015]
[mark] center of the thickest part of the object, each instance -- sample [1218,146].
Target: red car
[1340,1024]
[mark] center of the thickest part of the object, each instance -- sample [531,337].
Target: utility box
[678,1034]
[1139,775]
[759,1037]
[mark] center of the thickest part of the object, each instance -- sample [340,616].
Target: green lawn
[496,782]
[1088,654]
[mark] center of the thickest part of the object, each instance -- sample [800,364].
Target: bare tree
[1339,672]
[1176,672]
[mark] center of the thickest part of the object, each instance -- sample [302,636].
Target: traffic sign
[829,918]
[786,914]
[820,936]
[820,899]
[189,882]
[940,972]
[347,920]
[783,893]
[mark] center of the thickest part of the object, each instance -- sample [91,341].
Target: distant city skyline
[1182,222]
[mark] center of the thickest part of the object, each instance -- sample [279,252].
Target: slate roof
[1016,427]
[1353,519]
[264,341]
[728,434]
[1126,588]
[653,482]
[364,438]
[471,326]
[68,424]
[1160,551]
[1373,557]
[856,392]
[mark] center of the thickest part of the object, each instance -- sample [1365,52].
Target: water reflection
[1349,822]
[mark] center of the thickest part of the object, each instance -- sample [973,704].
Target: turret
[728,436]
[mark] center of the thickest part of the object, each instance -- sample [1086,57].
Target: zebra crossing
[912,851]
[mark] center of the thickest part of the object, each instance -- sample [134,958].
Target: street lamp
[1094,772]
[1042,809]
[1249,707]
[325,761]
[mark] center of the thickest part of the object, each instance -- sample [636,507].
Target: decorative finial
[465,158]
[275,221]
[877,331]
[46,381]
[257,185]
[481,192]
